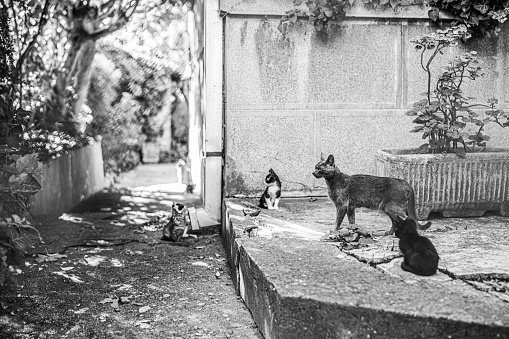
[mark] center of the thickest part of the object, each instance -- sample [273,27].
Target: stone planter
[449,184]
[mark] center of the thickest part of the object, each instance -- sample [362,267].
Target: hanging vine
[322,12]
[482,17]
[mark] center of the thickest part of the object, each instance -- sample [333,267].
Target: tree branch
[124,19]
[42,22]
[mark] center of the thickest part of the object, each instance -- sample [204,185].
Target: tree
[54,44]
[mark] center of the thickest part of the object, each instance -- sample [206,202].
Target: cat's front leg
[350,212]
[340,215]
[268,201]
[276,203]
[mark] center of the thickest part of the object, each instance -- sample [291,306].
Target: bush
[115,117]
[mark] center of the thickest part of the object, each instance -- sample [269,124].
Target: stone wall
[69,179]
[288,100]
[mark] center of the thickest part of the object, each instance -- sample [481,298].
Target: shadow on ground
[104,272]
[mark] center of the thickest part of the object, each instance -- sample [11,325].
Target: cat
[420,256]
[393,196]
[272,194]
[177,226]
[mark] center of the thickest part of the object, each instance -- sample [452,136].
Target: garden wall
[287,100]
[68,180]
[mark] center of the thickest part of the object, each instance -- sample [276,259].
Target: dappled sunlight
[283,226]
[73,219]
[174,188]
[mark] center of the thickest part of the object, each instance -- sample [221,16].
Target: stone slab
[298,286]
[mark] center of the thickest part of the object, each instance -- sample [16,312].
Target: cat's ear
[330,160]
[271,171]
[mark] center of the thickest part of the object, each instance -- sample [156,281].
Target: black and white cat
[272,194]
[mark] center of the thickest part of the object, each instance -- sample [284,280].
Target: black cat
[420,256]
[393,196]
[272,194]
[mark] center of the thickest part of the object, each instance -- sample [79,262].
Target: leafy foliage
[115,117]
[52,40]
[17,181]
[322,12]
[482,16]
[445,116]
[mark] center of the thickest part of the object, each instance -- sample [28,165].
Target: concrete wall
[196,96]
[289,100]
[68,180]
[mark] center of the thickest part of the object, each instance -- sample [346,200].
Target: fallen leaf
[71,277]
[200,263]
[114,304]
[124,300]
[199,247]
[50,257]
[81,310]
[124,287]
[66,268]
[106,300]
[144,309]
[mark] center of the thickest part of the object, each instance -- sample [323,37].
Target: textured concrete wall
[68,180]
[290,99]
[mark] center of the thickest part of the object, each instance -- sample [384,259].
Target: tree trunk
[83,74]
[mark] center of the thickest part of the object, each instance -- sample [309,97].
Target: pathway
[104,272]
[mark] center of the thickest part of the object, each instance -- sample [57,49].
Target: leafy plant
[445,116]
[17,184]
[322,12]
[17,181]
[482,16]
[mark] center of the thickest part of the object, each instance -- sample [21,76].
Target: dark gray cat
[393,196]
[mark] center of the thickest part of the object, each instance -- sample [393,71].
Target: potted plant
[453,172]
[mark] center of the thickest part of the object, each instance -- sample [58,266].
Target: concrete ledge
[68,180]
[297,286]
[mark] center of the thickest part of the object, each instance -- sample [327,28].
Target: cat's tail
[411,212]
[262,203]
[426,272]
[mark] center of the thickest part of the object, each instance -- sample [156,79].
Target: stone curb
[300,288]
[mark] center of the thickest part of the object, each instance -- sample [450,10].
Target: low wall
[68,180]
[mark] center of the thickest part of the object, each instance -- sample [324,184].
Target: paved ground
[104,272]
[323,288]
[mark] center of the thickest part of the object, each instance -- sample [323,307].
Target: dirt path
[103,272]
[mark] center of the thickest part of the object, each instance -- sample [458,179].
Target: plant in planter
[453,172]
[445,116]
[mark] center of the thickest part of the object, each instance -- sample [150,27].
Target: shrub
[445,116]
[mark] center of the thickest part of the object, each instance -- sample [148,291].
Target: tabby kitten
[177,226]
[420,256]
[272,194]
[393,196]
